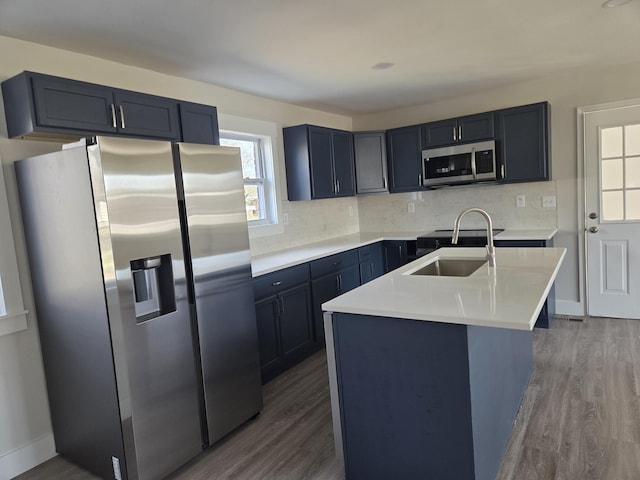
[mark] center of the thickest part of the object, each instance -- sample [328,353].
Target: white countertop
[507,296]
[541,234]
[271,262]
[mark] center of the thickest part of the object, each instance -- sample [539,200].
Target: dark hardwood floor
[579,420]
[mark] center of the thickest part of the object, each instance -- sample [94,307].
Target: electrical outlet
[520,201]
[285,218]
[350,211]
[411,207]
[549,202]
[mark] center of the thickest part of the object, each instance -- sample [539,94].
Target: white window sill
[12,323]
[257,231]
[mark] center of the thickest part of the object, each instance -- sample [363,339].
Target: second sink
[451,267]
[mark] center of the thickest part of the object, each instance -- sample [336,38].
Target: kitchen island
[427,372]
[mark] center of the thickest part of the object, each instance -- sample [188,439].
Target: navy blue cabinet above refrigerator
[46,107]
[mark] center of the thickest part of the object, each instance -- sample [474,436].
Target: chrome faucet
[491,250]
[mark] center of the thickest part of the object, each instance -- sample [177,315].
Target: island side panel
[404,398]
[500,365]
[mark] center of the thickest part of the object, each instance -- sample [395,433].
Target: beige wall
[565,93]
[25,430]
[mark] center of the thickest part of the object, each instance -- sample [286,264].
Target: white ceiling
[320,53]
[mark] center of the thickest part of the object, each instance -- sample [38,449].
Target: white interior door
[612,187]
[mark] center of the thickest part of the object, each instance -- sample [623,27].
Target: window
[256,140]
[256,181]
[12,313]
[620,173]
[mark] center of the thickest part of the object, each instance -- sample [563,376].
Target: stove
[431,241]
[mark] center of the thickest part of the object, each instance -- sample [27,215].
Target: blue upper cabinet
[458,130]
[522,142]
[404,156]
[199,123]
[319,162]
[44,106]
[143,115]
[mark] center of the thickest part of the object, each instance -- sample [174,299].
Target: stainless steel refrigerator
[140,265]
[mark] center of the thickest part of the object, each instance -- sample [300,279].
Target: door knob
[593,215]
[593,229]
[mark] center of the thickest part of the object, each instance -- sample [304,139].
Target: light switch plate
[549,202]
[520,201]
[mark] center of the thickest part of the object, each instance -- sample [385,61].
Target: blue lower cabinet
[285,322]
[371,259]
[549,308]
[329,287]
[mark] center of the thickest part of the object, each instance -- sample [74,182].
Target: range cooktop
[464,233]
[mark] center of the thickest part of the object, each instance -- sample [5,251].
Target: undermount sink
[451,267]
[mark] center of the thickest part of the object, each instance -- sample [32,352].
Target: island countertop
[509,295]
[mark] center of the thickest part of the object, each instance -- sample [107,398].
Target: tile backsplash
[315,220]
[311,221]
[438,209]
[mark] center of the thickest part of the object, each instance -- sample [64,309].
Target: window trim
[14,318]
[268,133]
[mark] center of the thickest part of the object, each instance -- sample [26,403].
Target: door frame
[582,189]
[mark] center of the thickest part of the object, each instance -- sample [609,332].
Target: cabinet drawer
[333,263]
[272,283]
[368,252]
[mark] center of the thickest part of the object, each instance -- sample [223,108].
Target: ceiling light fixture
[382,66]
[615,3]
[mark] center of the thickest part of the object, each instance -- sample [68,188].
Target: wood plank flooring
[579,420]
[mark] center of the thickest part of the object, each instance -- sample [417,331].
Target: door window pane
[632,140]
[611,142]
[612,206]
[633,204]
[612,174]
[632,172]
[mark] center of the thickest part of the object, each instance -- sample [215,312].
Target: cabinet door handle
[338,283]
[335,264]
[454,134]
[400,250]
[121,116]
[113,116]
[420,179]
[337,186]
[275,284]
[384,183]
[502,170]
[281,305]
[459,132]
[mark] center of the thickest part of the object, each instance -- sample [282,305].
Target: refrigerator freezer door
[138,223]
[221,262]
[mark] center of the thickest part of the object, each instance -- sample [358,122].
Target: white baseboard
[24,458]
[567,307]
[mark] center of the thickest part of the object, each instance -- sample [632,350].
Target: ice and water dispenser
[153,289]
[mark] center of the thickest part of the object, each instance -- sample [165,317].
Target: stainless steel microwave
[469,163]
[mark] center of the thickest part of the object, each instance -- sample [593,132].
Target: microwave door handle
[473,162]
